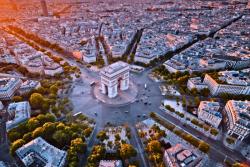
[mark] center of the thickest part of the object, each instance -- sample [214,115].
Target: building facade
[40,153]
[8,87]
[115,77]
[17,113]
[196,83]
[209,113]
[216,88]
[237,118]
[174,66]
[28,86]
[178,156]
[146,59]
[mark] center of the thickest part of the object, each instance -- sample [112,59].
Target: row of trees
[5,68]
[204,147]
[37,39]
[168,107]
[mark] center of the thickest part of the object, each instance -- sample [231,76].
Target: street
[88,105]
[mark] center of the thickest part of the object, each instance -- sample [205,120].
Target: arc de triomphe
[114,77]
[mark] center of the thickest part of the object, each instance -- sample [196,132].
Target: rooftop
[7,83]
[38,152]
[115,67]
[235,77]
[210,107]
[181,156]
[29,84]
[18,112]
[242,111]
[110,163]
[196,81]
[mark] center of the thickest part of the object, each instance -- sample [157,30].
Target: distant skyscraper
[44,8]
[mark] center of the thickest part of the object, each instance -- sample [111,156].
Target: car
[126,111]
[77,114]
[145,103]
[92,83]
[138,116]
[144,115]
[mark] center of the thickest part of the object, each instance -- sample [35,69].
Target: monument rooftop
[115,67]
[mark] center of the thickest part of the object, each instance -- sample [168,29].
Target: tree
[37,132]
[87,132]
[15,145]
[52,96]
[45,118]
[78,145]
[156,158]
[117,137]
[214,132]
[152,114]
[53,89]
[45,83]
[230,140]
[61,138]
[196,101]
[45,106]
[102,135]
[36,100]
[14,135]
[205,92]
[97,154]
[127,151]
[184,101]
[49,129]
[27,137]
[204,147]
[154,146]
[17,98]
[41,90]
[32,124]
[194,91]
